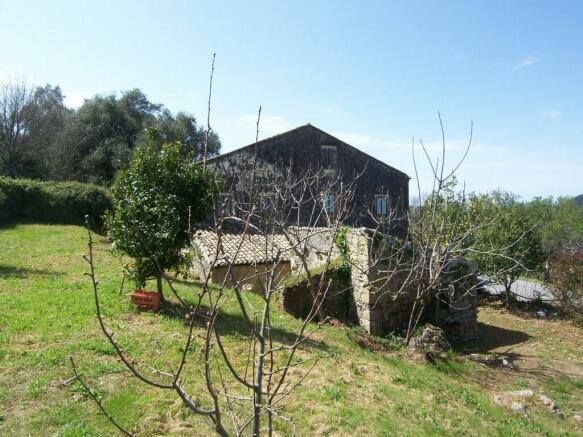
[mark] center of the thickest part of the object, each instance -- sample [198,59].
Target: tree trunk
[159,285]
[258,377]
[508,291]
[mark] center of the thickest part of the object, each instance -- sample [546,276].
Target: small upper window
[225,205]
[330,203]
[381,204]
[328,156]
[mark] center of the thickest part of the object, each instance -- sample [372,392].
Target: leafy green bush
[52,202]
[155,201]
[566,279]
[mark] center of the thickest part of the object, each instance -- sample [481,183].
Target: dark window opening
[328,156]
[267,202]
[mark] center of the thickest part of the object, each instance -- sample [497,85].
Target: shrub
[566,280]
[52,202]
[155,201]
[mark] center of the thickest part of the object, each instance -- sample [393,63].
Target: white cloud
[353,138]
[75,100]
[269,125]
[397,152]
[377,146]
[72,100]
[374,145]
[553,114]
[529,61]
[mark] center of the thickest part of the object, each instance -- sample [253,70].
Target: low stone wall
[382,303]
[379,302]
[385,305]
[338,303]
[249,277]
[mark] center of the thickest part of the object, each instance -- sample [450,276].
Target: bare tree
[281,223]
[445,228]
[208,130]
[16,114]
[566,280]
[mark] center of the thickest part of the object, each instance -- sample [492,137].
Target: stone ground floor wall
[385,305]
[251,278]
[297,298]
[382,305]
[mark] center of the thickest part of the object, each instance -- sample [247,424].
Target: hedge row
[52,202]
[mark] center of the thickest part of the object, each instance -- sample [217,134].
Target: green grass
[47,314]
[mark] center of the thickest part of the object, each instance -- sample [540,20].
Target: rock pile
[432,342]
[518,401]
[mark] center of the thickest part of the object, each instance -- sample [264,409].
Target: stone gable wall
[300,149]
[380,309]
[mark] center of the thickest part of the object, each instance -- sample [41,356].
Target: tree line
[42,138]
[506,237]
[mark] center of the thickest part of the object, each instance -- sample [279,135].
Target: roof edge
[309,125]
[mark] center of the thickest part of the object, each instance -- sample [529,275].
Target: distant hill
[578,200]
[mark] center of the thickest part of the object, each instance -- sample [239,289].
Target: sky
[374,74]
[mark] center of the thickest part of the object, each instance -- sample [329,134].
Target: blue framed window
[330,203]
[381,204]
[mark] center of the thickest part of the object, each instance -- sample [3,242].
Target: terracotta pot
[146,300]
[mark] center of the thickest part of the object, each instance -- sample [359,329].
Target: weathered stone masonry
[381,309]
[301,150]
[373,302]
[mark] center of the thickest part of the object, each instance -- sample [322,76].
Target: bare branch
[97,401]
[208,114]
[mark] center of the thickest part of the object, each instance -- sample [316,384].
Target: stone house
[381,191]
[379,199]
[379,202]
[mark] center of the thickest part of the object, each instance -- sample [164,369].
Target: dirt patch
[520,348]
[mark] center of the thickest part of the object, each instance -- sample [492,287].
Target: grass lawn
[47,314]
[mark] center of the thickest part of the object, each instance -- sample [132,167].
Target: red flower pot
[146,300]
